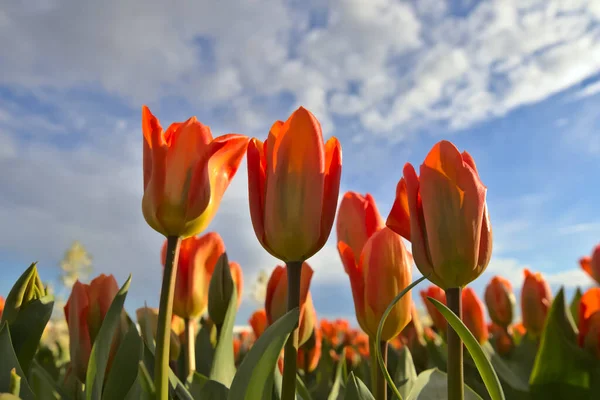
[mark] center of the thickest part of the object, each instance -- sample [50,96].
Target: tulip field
[542,345]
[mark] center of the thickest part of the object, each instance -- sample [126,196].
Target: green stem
[190,348]
[378,382]
[455,348]
[165,314]
[288,389]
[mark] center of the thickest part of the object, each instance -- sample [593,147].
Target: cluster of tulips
[187,348]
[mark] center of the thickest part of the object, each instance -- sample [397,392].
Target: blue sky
[517,84]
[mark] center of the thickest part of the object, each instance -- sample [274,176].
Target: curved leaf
[356,389]
[254,376]
[125,366]
[213,390]
[432,384]
[338,387]
[8,361]
[223,367]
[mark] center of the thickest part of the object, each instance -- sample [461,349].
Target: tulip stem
[288,389]
[165,314]
[378,384]
[455,348]
[190,348]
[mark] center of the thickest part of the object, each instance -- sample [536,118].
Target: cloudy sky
[516,83]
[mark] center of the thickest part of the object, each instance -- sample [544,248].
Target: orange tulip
[148,320]
[258,322]
[310,352]
[444,215]
[85,310]
[535,302]
[186,173]
[383,270]
[473,315]
[589,321]
[502,338]
[591,265]
[238,278]
[500,301]
[197,259]
[276,300]
[438,320]
[1,305]
[518,331]
[293,183]
[357,220]
[237,346]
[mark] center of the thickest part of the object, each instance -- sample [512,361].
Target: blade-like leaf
[101,348]
[338,384]
[254,376]
[42,384]
[574,307]
[492,383]
[223,368]
[8,361]
[213,390]
[124,369]
[400,363]
[432,384]
[205,350]
[302,390]
[356,389]
[195,384]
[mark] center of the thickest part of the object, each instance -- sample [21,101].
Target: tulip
[221,288]
[518,331]
[536,299]
[85,310]
[237,346]
[1,305]
[591,265]
[28,288]
[148,320]
[258,322]
[276,300]
[293,184]
[502,338]
[310,353]
[357,220]
[444,215]
[589,321]
[186,173]
[474,315]
[198,257]
[438,320]
[238,278]
[500,301]
[383,270]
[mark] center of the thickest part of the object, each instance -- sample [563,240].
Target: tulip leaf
[356,389]
[508,371]
[125,366]
[205,350]
[324,372]
[255,375]
[8,396]
[223,368]
[561,369]
[16,295]
[490,379]
[102,345]
[301,389]
[146,385]
[574,307]
[400,363]
[195,383]
[43,385]
[213,390]
[432,384]
[8,362]
[338,387]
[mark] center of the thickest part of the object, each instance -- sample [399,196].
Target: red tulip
[238,278]
[85,310]
[1,305]
[591,265]
[438,320]
[258,322]
[444,215]
[502,338]
[293,183]
[186,173]
[473,315]
[535,302]
[500,301]
[589,321]
[310,352]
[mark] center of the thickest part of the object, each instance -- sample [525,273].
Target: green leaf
[145,381]
[574,307]
[561,368]
[8,361]
[205,350]
[432,384]
[223,368]
[402,368]
[195,384]
[301,389]
[356,389]
[492,383]
[8,396]
[125,366]
[213,390]
[254,376]
[324,373]
[44,387]
[338,388]
[101,348]
[507,371]
[386,313]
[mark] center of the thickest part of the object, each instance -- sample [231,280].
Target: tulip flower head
[536,299]
[444,215]
[293,184]
[310,352]
[85,310]
[473,315]
[591,265]
[276,300]
[383,270]
[148,320]
[500,301]
[198,257]
[438,320]
[503,343]
[258,322]
[186,173]
[589,321]
[1,305]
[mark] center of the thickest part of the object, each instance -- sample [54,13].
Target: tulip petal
[80,343]
[238,279]
[256,187]
[357,283]
[272,285]
[399,218]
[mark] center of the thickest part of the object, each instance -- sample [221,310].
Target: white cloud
[589,90]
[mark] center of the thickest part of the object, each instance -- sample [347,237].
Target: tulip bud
[536,299]
[591,265]
[589,321]
[29,287]
[198,257]
[276,300]
[238,279]
[220,290]
[293,184]
[446,211]
[473,315]
[186,173]
[500,301]
[517,332]
[148,320]
[437,319]
[85,311]
[383,270]
[503,342]
[310,352]
[258,322]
